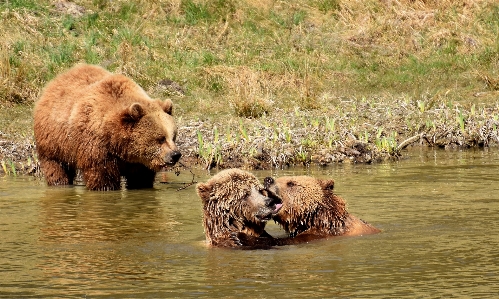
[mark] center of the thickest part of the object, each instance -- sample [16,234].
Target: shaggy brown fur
[235,204]
[312,211]
[105,125]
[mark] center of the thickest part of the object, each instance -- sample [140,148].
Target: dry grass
[360,47]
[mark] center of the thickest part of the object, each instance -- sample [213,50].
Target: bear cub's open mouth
[273,202]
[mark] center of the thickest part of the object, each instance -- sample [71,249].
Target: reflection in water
[92,236]
[74,215]
[438,212]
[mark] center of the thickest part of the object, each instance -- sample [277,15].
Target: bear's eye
[291,184]
[161,139]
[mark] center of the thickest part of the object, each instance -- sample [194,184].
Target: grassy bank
[269,83]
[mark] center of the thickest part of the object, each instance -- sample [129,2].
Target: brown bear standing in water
[312,211]
[235,204]
[106,125]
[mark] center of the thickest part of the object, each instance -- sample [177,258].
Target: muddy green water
[438,212]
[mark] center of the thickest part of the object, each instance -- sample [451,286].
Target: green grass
[306,49]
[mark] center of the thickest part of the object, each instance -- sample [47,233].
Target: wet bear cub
[236,208]
[311,210]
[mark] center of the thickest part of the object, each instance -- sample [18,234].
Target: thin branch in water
[177,172]
[189,184]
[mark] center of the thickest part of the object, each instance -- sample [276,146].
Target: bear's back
[59,95]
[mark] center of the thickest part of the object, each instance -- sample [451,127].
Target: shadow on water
[438,212]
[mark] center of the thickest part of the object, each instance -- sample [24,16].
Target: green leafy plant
[243,131]
[460,119]
[9,167]
[4,167]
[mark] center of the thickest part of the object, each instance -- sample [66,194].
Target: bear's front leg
[138,176]
[245,241]
[57,174]
[102,178]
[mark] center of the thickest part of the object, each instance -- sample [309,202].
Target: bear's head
[235,201]
[153,134]
[307,202]
[148,131]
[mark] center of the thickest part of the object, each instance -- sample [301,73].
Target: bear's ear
[167,106]
[204,191]
[327,184]
[134,112]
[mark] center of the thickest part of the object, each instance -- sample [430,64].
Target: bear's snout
[176,156]
[173,157]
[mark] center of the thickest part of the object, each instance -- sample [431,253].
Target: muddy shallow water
[438,212]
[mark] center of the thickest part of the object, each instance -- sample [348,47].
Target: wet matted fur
[235,204]
[311,210]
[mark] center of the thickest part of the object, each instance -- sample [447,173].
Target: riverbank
[353,131]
